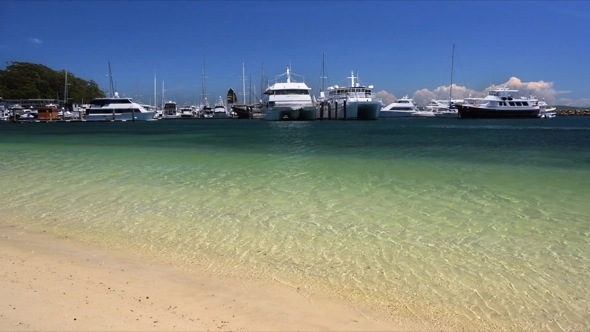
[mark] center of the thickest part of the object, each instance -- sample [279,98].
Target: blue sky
[400,47]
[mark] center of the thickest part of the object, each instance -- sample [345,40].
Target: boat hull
[137,116]
[395,114]
[366,110]
[242,112]
[220,115]
[446,114]
[471,112]
[279,113]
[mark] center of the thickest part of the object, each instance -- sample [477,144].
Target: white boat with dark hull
[288,100]
[501,103]
[356,102]
[117,109]
[400,108]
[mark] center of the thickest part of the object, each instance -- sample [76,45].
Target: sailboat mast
[111,81]
[244,83]
[66,89]
[203,92]
[452,69]
[262,81]
[250,90]
[323,71]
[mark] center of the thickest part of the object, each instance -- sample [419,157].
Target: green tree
[23,80]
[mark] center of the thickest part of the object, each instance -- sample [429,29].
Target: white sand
[57,284]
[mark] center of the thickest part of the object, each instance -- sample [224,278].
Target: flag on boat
[232,98]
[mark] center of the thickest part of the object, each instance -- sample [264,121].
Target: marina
[219,177]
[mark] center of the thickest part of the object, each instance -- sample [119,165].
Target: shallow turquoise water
[482,224]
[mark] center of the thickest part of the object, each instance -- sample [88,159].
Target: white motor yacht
[499,104]
[402,107]
[117,109]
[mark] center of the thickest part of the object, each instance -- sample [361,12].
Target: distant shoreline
[573,112]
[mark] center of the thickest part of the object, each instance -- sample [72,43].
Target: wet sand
[55,283]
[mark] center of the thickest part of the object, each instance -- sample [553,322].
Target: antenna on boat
[351,78]
[288,74]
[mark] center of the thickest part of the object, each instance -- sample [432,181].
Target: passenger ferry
[356,102]
[288,100]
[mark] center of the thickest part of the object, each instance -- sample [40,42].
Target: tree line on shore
[23,80]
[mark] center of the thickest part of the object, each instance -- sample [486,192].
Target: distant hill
[23,80]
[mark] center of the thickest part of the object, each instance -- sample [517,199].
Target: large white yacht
[117,109]
[356,102]
[500,103]
[288,100]
[402,107]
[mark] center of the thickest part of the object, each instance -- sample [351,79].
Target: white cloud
[541,89]
[386,97]
[35,40]
[424,96]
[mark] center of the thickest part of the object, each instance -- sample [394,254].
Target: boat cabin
[47,112]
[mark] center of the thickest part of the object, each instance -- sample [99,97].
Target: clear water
[459,224]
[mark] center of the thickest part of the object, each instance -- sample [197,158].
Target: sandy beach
[53,283]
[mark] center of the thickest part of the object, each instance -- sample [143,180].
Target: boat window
[291,92]
[512,103]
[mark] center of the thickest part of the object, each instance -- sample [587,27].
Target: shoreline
[56,283]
